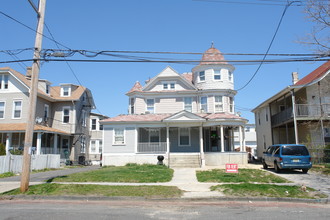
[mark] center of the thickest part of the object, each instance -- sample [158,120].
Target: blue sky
[158,25]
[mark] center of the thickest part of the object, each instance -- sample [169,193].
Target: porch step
[185,161]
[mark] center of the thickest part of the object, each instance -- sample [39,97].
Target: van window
[297,150]
[277,150]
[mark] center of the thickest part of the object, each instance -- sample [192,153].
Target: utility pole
[32,98]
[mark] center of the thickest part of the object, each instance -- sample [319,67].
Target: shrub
[16,152]
[2,149]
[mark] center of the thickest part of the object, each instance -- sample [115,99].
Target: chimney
[295,77]
[29,71]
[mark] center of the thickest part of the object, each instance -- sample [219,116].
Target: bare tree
[318,12]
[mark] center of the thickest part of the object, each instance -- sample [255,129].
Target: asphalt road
[159,209]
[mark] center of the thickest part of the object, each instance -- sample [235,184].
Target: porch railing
[149,147]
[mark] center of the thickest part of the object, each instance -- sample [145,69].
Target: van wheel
[304,170]
[264,165]
[277,169]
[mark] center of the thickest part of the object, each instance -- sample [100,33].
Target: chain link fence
[320,156]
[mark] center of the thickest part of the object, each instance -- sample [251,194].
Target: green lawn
[53,189]
[131,173]
[8,174]
[243,176]
[267,190]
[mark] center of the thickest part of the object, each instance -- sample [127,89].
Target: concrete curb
[200,199]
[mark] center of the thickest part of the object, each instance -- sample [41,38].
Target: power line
[272,3]
[270,45]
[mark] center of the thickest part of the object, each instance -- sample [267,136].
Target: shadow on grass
[287,171]
[51,179]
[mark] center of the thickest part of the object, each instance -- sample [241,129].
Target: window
[217,75]
[150,105]
[93,146]
[93,124]
[218,106]
[100,146]
[2,110]
[66,90]
[230,76]
[188,104]
[82,144]
[46,112]
[247,129]
[4,81]
[17,109]
[204,104]
[153,135]
[132,101]
[172,85]
[100,127]
[184,137]
[231,104]
[119,136]
[202,76]
[83,118]
[47,89]
[165,86]
[66,114]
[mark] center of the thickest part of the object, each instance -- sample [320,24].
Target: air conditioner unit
[147,112]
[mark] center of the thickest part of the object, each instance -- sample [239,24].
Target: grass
[8,174]
[322,168]
[131,173]
[267,190]
[244,176]
[53,189]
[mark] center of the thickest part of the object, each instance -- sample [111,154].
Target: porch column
[244,147]
[240,139]
[167,140]
[222,139]
[38,143]
[201,143]
[8,142]
[232,139]
[55,144]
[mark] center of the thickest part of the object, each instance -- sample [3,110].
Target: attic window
[65,91]
[47,89]
[168,85]
[4,81]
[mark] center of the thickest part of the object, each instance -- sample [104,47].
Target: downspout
[294,116]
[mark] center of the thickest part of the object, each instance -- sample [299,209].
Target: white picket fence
[13,163]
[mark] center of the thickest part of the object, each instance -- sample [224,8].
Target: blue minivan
[287,156]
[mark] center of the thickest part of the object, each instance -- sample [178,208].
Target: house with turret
[189,119]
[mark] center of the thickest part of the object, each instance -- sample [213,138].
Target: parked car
[287,156]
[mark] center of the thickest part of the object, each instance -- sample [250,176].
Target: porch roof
[21,127]
[163,117]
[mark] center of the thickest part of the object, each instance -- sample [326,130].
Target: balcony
[303,111]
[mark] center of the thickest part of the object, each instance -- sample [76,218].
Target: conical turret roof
[212,56]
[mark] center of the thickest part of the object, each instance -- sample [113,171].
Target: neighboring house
[250,140]
[96,138]
[187,118]
[61,116]
[299,113]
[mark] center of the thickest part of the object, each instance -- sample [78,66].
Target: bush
[16,152]
[2,149]
[327,154]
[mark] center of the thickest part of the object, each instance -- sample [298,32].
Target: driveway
[311,179]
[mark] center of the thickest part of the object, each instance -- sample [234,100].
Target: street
[160,209]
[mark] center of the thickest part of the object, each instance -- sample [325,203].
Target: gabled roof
[137,87]
[55,90]
[184,116]
[315,75]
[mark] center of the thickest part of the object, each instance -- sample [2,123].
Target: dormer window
[201,76]
[230,76]
[47,89]
[217,75]
[4,78]
[168,85]
[66,91]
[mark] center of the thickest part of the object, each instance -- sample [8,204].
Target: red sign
[231,168]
